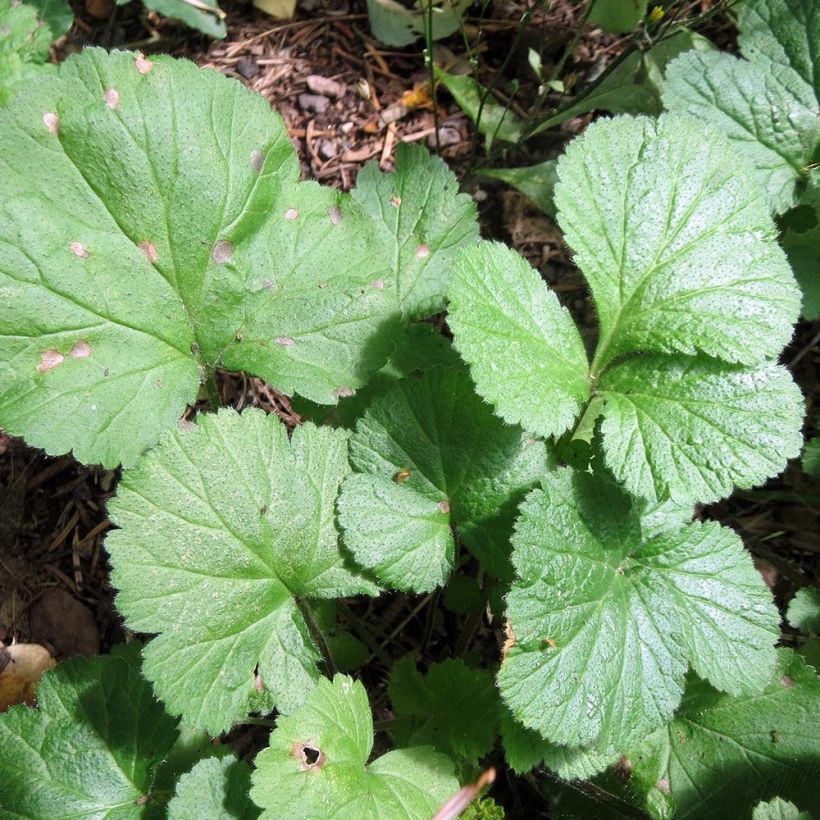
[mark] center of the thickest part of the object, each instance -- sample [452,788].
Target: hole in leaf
[311,756]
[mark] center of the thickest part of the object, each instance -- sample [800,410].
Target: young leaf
[217,789]
[91,747]
[56,14]
[721,754]
[779,809]
[394,24]
[431,454]
[422,220]
[316,764]
[204,16]
[222,527]
[801,239]
[23,48]
[693,428]
[675,242]
[462,728]
[152,226]
[536,182]
[606,622]
[617,16]
[525,353]
[804,610]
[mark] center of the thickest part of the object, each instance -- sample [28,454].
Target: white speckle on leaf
[257,160]
[378,284]
[49,359]
[78,249]
[112,99]
[222,252]
[52,121]
[422,251]
[344,392]
[143,65]
[335,215]
[149,249]
[291,213]
[81,350]
[286,341]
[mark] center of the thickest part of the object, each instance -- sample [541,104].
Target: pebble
[325,87]
[313,102]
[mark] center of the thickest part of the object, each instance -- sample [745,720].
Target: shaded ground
[347,101]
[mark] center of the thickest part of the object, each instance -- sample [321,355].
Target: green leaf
[804,610]
[492,119]
[779,809]
[204,16]
[217,789]
[422,220]
[395,24]
[152,229]
[811,457]
[617,16]
[56,14]
[692,428]
[767,113]
[801,238]
[485,808]
[226,524]
[537,182]
[24,48]
[431,455]
[462,727]
[606,622]
[721,754]
[91,747]
[316,764]
[525,353]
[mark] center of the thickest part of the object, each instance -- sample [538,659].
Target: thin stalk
[317,635]
[427,16]
[211,389]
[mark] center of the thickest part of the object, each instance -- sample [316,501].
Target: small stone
[52,121]
[222,252]
[81,350]
[328,149]
[313,102]
[335,214]
[143,65]
[247,68]
[447,135]
[78,249]
[291,213]
[112,99]
[325,86]
[49,359]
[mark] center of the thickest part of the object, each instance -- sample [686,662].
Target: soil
[335,86]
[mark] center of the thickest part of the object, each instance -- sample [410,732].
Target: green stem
[427,16]
[317,635]
[212,389]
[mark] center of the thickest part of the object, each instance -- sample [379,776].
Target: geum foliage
[154,229]
[694,299]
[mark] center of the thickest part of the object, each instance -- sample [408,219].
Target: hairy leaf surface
[693,428]
[153,227]
[525,353]
[804,610]
[91,747]
[675,241]
[606,622]
[317,764]
[422,220]
[217,789]
[23,48]
[222,527]
[431,455]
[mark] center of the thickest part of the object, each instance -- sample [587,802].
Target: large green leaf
[431,455]
[606,621]
[222,527]
[152,228]
[422,221]
[92,746]
[721,754]
[525,353]
[317,764]
[215,788]
[693,428]
[24,47]
[426,712]
[675,241]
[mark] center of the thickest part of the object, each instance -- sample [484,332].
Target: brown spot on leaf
[550,642]
[258,683]
[311,756]
[344,392]
[378,284]
[149,249]
[623,768]
[78,249]
[267,284]
[112,99]
[335,214]
[143,64]
[509,641]
[395,201]
[291,213]
[787,681]
[81,350]
[444,506]
[257,160]
[422,251]
[52,121]
[402,475]
[663,786]
[49,359]
[222,252]
[286,341]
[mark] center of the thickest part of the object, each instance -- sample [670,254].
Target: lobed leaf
[525,353]
[316,764]
[223,527]
[216,788]
[804,610]
[24,48]
[422,221]
[605,621]
[779,809]
[153,228]
[92,746]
